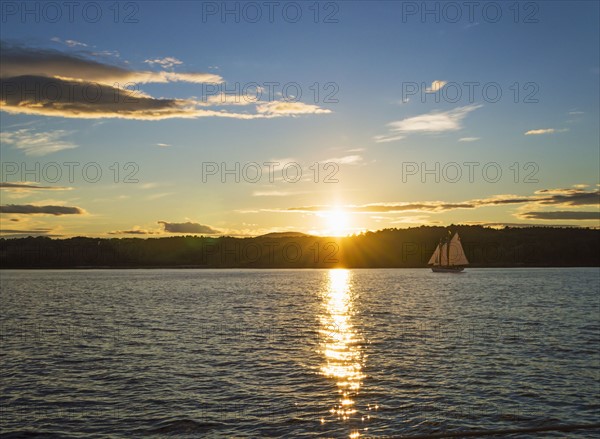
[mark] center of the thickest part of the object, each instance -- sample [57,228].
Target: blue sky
[369,129]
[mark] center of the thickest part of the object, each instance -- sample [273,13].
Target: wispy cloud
[228,99]
[166,63]
[37,143]
[429,123]
[158,195]
[539,131]
[270,194]
[289,108]
[575,215]
[470,25]
[150,185]
[354,159]
[468,139]
[387,138]
[69,43]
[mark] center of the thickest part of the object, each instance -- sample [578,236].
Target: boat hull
[447,269]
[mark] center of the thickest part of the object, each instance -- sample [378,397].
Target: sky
[153,119]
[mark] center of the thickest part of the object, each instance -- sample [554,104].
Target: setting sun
[337,222]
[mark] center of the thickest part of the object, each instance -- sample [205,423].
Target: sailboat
[449,256]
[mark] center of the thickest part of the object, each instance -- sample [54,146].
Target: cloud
[30,186]
[158,195]
[436,86]
[19,61]
[70,86]
[346,160]
[429,206]
[37,143]
[188,227]
[470,25]
[163,145]
[166,63]
[228,99]
[568,197]
[71,99]
[385,139]
[545,131]
[468,139]
[75,99]
[278,108]
[134,231]
[562,215]
[410,220]
[16,233]
[429,123]
[150,185]
[29,209]
[69,43]
[270,194]
[545,197]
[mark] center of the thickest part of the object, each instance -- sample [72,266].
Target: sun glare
[337,222]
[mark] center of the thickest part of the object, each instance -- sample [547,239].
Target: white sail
[435,257]
[444,254]
[457,253]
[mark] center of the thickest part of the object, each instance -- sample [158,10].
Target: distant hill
[388,248]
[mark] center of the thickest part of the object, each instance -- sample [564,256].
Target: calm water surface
[322,353]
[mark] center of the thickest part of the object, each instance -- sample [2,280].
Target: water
[322,353]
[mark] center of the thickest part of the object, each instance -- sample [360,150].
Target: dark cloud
[188,228]
[5,185]
[18,60]
[132,232]
[571,197]
[25,232]
[29,209]
[75,99]
[562,215]
[565,197]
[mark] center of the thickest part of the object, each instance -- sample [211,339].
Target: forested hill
[484,247]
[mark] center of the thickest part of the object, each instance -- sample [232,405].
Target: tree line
[388,248]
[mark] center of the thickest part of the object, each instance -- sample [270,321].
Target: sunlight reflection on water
[341,344]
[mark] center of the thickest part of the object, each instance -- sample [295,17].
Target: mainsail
[456,252]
